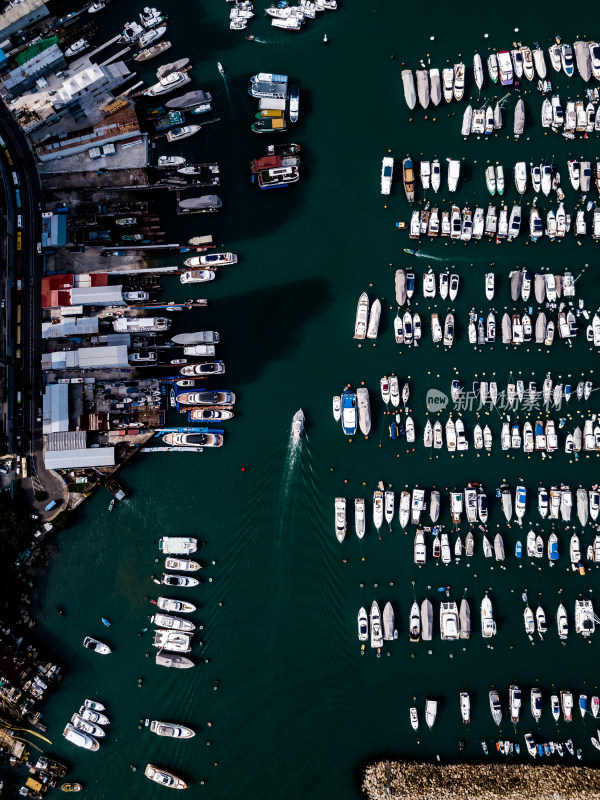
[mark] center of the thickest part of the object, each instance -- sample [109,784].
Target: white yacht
[170,729]
[362,317]
[562,622]
[387,173]
[449,621]
[585,623]
[172,81]
[465,707]
[340,518]
[430,712]
[488,626]
[363,625]
[414,623]
[376,629]
[359,517]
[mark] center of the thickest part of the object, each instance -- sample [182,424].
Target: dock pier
[114,58]
[104,46]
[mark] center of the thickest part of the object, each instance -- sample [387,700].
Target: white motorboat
[337,407]
[389,507]
[374,317]
[90,728]
[363,405]
[529,621]
[93,716]
[423,87]
[448,84]
[540,619]
[436,175]
[449,621]
[425,173]
[514,695]
[80,738]
[521,177]
[96,646]
[376,629]
[426,620]
[170,729]
[414,623]
[584,617]
[164,778]
[378,508]
[562,622]
[178,606]
[465,707]
[298,425]
[363,625]
[410,94]
[389,631]
[488,626]
[414,718]
[566,701]
[340,518]
[172,641]
[359,517]
[459,81]
[430,712]
[495,707]
[77,47]
[173,623]
[536,704]
[172,81]
[387,173]
[478,70]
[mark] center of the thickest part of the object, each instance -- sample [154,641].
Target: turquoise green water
[298,707]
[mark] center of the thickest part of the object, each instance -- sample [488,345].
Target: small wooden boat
[71,787]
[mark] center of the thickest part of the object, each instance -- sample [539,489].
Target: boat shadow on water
[270,322]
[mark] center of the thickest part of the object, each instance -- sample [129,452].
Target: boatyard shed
[21,15]
[55,229]
[109,357]
[76,326]
[56,408]
[40,64]
[97,296]
[80,458]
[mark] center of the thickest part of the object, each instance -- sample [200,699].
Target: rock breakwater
[422,781]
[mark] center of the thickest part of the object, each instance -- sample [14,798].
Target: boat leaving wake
[452,259]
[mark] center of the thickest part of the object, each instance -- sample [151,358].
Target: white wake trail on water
[451,259]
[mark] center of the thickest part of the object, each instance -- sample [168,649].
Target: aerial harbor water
[283,699]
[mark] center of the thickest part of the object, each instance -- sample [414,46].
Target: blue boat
[583,704]
[547,750]
[518,549]
[540,749]
[485,747]
[517,749]
[294,103]
[393,430]
[105,622]
[553,548]
[349,416]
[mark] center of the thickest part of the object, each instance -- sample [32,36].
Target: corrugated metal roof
[66,440]
[79,326]
[103,357]
[56,408]
[97,296]
[73,459]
